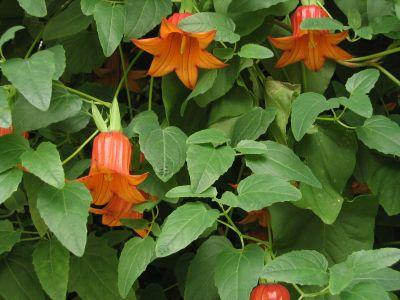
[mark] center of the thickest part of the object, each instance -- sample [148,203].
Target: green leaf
[110,25]
[320,150]
[241,6]
[280,95]
[9,182]
[45,163]
[18,280]
[205,82]
[9,34]
[83,52]
[237,271]
[235,103]
[11,148]
[184,191]
[34,8]
[165,150]
[226,79]
[358,103]
[362,82]
[207,21]
[252,124]
[141,16]
[251,147]
[360,263]
[135,257]
[305,110]
[68,22]
[223,53]
[380,133]
[33,185]
[8,236]
[206,164]
[386,278]
[365,291]
[32,77]
[136,223]
[59,60]
[87,6]
[5,111]
[63,105]
[94,275]
[299,229]
[184,225]
[322,24]
[211,135]
[51,262]
[65,212]
[280,161]
[255,51]
[228,198]
[259,191]
[306,267]
[200,276]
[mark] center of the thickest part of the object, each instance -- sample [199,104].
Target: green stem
[82,94]
[153,220]
[124,76]
[30,232]
[125,71]
[232,225]
[375,55]
[386,72]
[31,239]
[37,38]
[7,215]
[80,147]
[151,92]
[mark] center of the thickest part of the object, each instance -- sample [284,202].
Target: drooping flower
[116,210]
[313,47]
[109,174]
[111,73]
[262,217]
[10,130]
[179,51]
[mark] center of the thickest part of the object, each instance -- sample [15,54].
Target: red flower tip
[306,12]
[270,292]
[10,130]
[177,17]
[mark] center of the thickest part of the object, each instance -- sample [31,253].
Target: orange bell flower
[179,51]
[313,47]
[10,130]
[116,210]
[109,175]
[262,217]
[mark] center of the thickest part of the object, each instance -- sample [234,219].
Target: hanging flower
[179,51]
[111,73]
[116,210]
[262,217]
[10,130]
[109,175]
[310,46]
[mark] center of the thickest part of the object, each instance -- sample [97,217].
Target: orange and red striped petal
[187,68]
[297,53]
[125,191]
[99,187]
[336,38]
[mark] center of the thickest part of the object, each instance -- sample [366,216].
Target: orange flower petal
[334,52]
[336,38]
[297,53]
[152,45]
[168,60]
[204,38]
[125,191]
[187,69]
[167,28]
[99,186]
[136,179]
[206,60]
[283,43]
